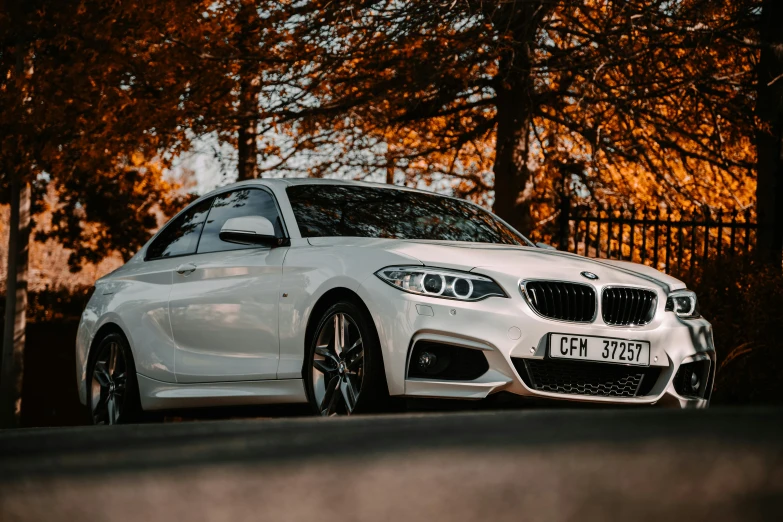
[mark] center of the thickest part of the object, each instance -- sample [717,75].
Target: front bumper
[507,330]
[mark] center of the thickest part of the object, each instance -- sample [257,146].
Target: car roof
[316,181]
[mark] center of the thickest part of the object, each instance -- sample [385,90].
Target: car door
[224,299]
[145,298]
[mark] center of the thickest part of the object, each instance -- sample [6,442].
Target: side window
[238,203]
[180,237]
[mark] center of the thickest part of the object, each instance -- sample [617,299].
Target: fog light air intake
[693,379]
[444,362]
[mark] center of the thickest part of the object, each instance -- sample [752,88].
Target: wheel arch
[86,342]
[133,393]
[329,298]
[105,329]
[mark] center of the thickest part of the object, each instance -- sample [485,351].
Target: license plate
[601,349]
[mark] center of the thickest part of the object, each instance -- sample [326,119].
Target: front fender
[309,272]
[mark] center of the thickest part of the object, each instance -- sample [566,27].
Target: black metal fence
[673,242]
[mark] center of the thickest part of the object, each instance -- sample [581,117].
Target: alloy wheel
[338,365]
[109,384]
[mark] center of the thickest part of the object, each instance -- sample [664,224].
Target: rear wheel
[343,371]
[112,394]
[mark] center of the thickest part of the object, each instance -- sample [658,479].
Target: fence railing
[674,243]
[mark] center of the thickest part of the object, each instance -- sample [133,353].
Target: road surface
[553,465]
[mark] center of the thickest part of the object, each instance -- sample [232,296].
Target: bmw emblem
[590,275]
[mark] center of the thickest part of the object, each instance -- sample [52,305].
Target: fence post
[645,212]
[680,240]
[633,232]
[668,238]
[733,230]
[655,239]
[598,234]
[707,219]
[720,234]
[692,260]
[565,228]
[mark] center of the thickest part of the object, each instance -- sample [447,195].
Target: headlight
[439,282]
[683,303]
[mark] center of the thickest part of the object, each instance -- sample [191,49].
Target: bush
[59,306]
[744,302]
[49,394]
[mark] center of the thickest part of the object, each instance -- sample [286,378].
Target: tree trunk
[390,166]
[250,88]
[515,92]
[769,137]
[11,364]
[247,134]
[511,154]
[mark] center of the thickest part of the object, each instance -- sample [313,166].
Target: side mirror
[249,230]
[545,246]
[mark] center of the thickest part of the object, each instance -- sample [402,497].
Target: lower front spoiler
[539,377]
[489,383]
[430,389]
[662,392]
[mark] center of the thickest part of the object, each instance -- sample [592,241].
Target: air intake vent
[628,306]
[446,362]
[587,378]
[564,301]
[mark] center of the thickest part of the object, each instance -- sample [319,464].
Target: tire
[344,373]
[112,387]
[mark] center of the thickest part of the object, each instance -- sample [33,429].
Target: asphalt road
[557,465]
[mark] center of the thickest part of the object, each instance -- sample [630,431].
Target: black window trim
[170,223]
[214,196]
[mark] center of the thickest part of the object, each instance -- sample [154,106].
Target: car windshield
[340,210]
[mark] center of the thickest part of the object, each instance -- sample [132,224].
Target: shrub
[744,302]
[59,306]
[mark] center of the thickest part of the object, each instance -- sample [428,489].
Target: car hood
[517,261]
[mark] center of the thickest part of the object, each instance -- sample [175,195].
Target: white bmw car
[342,294]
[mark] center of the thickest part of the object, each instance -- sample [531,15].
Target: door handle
[186,268]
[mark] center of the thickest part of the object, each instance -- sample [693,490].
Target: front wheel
[343,368]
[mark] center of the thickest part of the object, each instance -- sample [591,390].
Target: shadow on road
[553,465]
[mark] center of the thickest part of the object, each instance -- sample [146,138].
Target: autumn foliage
[516,104]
